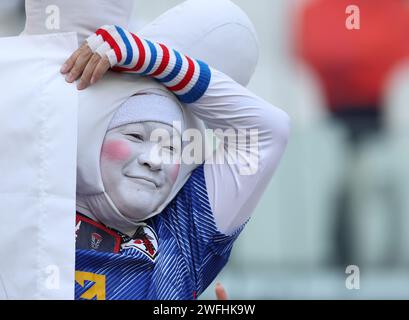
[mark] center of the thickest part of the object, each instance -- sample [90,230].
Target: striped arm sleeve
[186,77]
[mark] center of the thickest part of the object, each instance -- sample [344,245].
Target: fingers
[85,64]
[220,292]
[88,72]
[77,63]
[67,66]
[102,67]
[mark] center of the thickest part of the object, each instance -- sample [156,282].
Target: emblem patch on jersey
[146,241]
[91,235]
[96,240]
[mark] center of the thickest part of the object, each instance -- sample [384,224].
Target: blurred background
[341,194]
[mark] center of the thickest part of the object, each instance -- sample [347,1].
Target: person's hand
[220,292]
[101,51]
[112,47]
[86,65]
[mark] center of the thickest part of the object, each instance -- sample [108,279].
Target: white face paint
[135,169]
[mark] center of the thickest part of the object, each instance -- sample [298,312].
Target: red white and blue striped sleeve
[187,78]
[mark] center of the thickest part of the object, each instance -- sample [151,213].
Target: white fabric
[147,107]
[38,112]
[94,41]
[105,50]
[215,31]
[81,16]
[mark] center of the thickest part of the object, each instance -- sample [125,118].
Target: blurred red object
[353,64]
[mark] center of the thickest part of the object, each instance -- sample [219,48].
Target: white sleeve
[227,105]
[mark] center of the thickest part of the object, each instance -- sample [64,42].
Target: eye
[135,136]
[168,148]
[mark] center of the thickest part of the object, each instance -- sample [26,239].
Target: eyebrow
[140,128]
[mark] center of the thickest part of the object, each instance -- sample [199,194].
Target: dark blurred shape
[353,65]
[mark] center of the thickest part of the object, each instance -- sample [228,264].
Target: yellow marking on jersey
[97,290]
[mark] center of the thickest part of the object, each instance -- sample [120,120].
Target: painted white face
[135,166]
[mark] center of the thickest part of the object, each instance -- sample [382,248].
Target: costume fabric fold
[38,112]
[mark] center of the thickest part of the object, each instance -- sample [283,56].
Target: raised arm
[235,184]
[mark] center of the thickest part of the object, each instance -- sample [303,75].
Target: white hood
[199,28]
[97,107]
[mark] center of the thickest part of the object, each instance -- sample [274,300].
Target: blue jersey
[176,256]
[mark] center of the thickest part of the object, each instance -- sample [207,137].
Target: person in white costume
[202,208]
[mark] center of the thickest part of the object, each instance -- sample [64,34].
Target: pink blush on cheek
[116,150]
[174,172]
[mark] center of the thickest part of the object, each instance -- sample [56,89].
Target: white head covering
[82,16]
[199,28]
[147,107]
[94,121]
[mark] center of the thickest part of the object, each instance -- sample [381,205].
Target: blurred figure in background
[353,66]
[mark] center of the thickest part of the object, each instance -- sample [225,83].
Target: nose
[151,158]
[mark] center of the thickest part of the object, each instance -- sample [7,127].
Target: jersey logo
[146,241]
[91,235]
[96,240]
[97,290]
